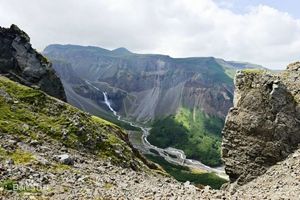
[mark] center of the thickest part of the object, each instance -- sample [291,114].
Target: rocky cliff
[20,62]
[263,127]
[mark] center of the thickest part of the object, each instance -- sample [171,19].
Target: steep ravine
[171,155]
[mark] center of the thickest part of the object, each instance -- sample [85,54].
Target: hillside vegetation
[198,135]
[30,114]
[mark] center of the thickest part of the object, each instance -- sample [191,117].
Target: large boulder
[263,127]
[21,63]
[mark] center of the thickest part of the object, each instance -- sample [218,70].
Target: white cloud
[179,28]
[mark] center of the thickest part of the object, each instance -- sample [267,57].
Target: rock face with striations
[20,62]
[263,127]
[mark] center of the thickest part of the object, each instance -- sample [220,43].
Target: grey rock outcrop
[263,127]
[21,63]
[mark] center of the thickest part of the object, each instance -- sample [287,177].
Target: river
[172,155]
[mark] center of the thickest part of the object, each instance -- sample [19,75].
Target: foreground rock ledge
[263,127]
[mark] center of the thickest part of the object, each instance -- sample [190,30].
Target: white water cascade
[106,101]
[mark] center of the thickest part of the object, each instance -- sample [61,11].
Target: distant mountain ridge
[125,76]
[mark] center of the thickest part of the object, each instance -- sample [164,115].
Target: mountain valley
[78,128]
[184,100]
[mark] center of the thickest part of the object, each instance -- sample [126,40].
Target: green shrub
[184,174]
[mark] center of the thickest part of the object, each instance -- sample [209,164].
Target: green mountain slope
[30,114]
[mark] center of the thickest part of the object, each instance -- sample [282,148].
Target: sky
[262,32]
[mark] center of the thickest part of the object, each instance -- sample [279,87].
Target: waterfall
[106,101]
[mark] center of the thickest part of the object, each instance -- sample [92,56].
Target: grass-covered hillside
[29,114]
[197,134]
